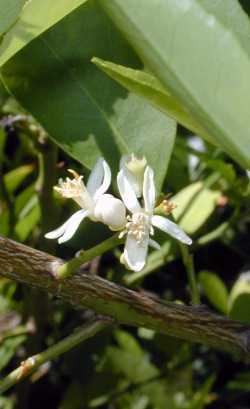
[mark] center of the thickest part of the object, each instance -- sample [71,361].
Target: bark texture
[192,323]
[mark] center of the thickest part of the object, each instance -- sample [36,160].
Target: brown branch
[196,324]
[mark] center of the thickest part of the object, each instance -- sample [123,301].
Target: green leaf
[215,290]
[239,299]
[84,111]
[8,349]
[26,225]
[37,16]
[9,13]
[148,87]
[130,360]
[15,177]
[195,204]
[200,51]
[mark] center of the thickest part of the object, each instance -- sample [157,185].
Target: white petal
[171,228]
[99,179]
[152,243]
[127,192]
[135,254]
[106,181]
[111,211]
[149,190]
[137,186]
[67,230]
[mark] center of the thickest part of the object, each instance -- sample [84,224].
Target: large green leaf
[199,50]
[84,111]
[146,85]
[9,13]
[36,17]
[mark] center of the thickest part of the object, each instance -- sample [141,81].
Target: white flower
[134,168]
[94,203]
[140,224]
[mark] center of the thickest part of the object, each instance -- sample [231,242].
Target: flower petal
[68,229]
[171,228]
[135,253]
[149,190]
[152,243]
[127,192]
[99,179]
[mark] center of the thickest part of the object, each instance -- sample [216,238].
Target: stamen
[139,226]
[74,173]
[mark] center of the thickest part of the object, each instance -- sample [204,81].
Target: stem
[47,159]
[68,268]
[192,323]
[188,262]
[32,363]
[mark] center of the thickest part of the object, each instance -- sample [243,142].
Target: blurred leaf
[24,198]
[240,382]
[225,169]
[239,299]
[25,226]
[202,59]
[7,403]
[195,204]
[201,398]
[215,290]
[37,16]
[84,111]
[129,359]
[16,176]
[8,349]
[72,399]
[4,219]
[9,13]
[2,143]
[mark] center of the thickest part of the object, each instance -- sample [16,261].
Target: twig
[31,364]
[67,269]
[188,262]
[193,323]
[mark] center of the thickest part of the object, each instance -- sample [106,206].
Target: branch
[195,324]
[31,364]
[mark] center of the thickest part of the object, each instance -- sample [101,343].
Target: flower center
[75,189]
[139,226]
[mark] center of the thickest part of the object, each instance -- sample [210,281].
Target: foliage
[165,79]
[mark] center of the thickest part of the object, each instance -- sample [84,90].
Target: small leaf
[147,86]
[239,299]
[8,349]
[16,176]
[195,204]
[25,226]
[215,290]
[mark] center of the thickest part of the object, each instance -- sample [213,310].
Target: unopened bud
[134,167]
[111,211]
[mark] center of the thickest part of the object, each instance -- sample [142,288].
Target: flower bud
[110,211]
[134,168]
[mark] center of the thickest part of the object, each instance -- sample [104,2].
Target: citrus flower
[140,224]
[94,202]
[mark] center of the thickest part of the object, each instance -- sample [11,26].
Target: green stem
[67,269]
[188,262]
[31,364]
